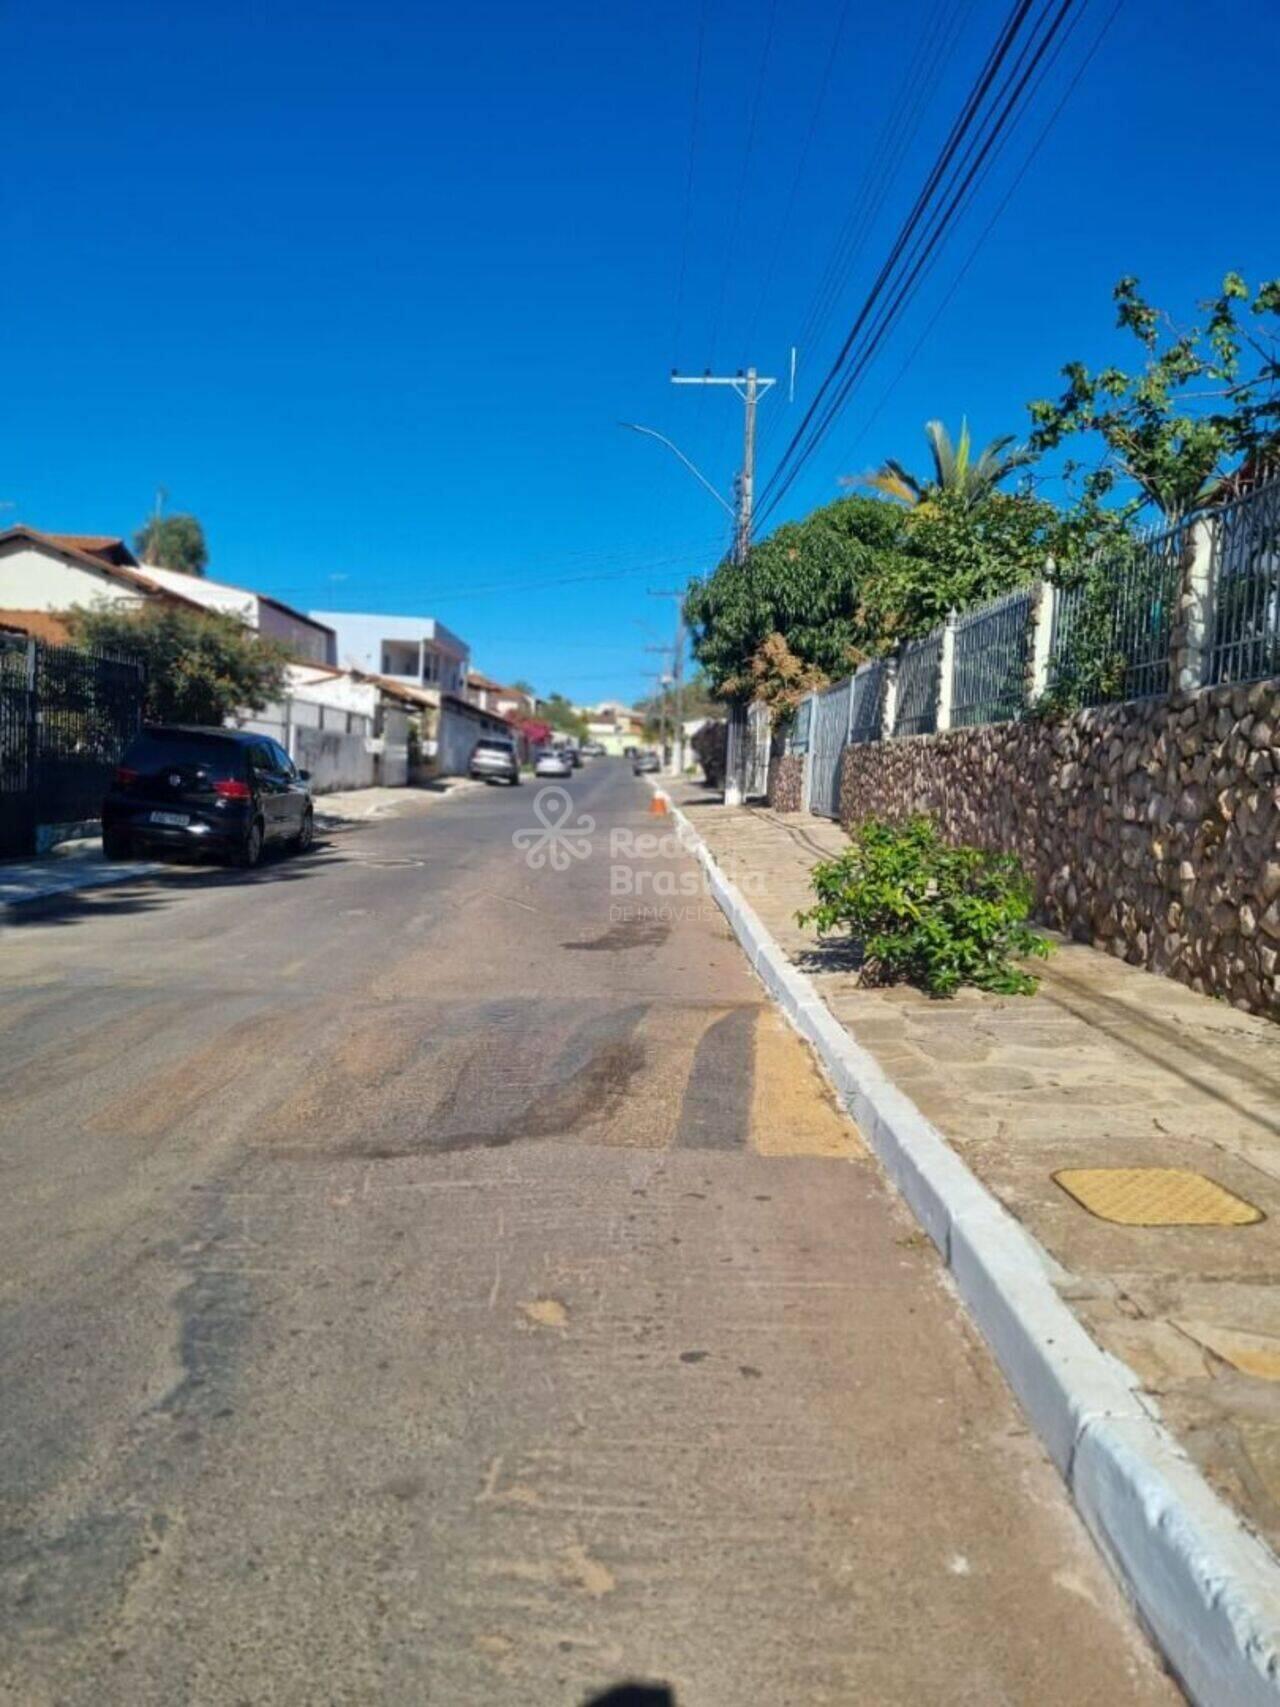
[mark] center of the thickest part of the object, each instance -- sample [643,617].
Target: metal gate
[17,745]
[830,733]
[66,717]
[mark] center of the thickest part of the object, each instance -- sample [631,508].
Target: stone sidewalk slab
[1108,1066]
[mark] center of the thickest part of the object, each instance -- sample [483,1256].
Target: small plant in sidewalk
[930,914]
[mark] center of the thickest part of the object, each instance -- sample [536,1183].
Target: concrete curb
[1204,1586]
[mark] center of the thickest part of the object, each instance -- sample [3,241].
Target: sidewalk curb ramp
[1205,1587]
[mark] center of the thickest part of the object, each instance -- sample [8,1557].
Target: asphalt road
[431,1279]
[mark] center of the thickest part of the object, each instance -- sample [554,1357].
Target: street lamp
[698,475]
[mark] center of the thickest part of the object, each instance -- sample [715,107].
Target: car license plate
[177,819]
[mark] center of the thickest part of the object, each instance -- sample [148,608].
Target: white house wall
[36,580]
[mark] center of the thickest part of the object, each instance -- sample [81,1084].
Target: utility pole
[750,387]
[677,674]
[662,678]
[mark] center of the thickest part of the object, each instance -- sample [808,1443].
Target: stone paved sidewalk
[1107,1066]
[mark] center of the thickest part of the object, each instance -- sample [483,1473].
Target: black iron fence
[66,717]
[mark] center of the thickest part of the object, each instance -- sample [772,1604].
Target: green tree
[955,555]
[563,717]
[202,667]
[173,542]
[805,583]
[957,472]
[856,577]
[1203,399]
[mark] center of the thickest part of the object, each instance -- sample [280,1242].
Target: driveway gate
[830,732]
[66,716]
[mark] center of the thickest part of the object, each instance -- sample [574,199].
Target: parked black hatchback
[224,790]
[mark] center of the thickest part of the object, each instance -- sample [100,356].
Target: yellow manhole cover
[1156,1197]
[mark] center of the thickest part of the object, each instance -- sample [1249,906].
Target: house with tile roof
[47,574]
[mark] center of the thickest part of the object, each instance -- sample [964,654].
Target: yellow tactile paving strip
[1156,1197]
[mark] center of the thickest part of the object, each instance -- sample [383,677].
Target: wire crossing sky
[369,287]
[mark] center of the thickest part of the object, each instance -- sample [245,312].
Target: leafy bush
[934,915]
[710,745]
[202,666]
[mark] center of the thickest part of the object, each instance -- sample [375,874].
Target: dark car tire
[248,854]
[306,835]
[116,844]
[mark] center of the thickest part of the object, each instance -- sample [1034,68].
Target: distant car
[552,763]
[574,757]
[645,761]
[224,790]
[594,750]
[495,760]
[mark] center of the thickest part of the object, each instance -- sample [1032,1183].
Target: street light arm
[696,472]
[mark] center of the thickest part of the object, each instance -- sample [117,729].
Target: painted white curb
[1206,1588]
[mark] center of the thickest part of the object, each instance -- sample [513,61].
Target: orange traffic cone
[658,806]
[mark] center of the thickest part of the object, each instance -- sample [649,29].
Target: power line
[940,166]
[497,588]
[926,230]
[736,227]
[896,137]
[937,42]
[991,223]
[824,84]
[688,187]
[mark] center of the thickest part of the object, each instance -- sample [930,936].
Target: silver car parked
[495,760]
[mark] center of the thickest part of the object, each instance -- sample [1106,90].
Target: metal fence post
[1041,641]
[889,703]
[947,674]
[1193,634]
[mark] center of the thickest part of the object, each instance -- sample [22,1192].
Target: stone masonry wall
[786,781]
[1152,829]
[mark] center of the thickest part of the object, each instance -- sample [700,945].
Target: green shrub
[930,914]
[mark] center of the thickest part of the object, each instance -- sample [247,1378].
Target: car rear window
[495,746]
[207,752]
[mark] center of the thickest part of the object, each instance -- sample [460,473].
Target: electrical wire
[498,588]
[824,83]
[958,129]
[926,229]
[937,43]
[688,187]
[736,227]
[991,223]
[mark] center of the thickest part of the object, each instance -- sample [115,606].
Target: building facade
[414,649]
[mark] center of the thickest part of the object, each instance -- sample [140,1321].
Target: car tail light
[228,788]
[124,777]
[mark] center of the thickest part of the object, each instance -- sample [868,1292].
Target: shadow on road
[634,1695]
[159,889]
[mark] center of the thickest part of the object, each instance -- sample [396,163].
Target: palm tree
[955,468]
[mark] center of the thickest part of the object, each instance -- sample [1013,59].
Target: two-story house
[414,649]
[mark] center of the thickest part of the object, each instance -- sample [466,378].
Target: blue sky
[368,286]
